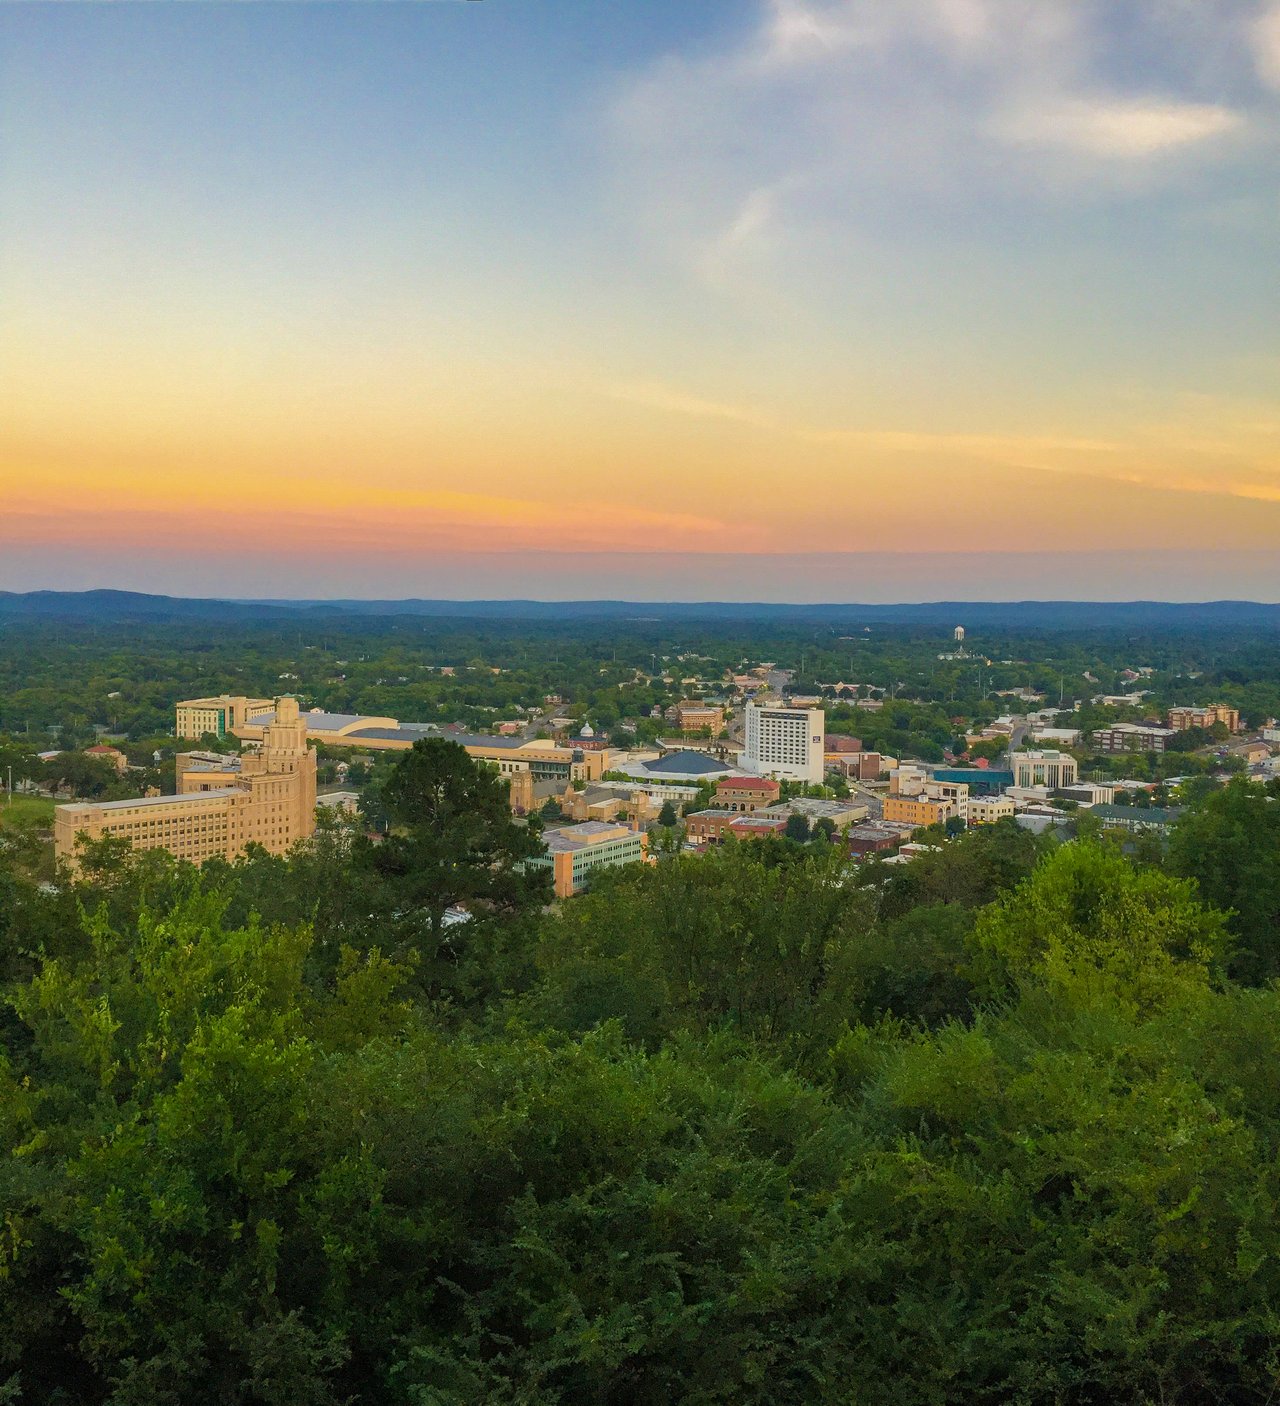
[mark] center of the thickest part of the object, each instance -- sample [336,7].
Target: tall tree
[1230,845]
[453,841]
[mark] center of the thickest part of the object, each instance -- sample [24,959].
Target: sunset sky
[855,300]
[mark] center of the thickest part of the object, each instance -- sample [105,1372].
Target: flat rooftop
[221,793]
[590,832]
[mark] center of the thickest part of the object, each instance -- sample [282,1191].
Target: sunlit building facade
[266,797]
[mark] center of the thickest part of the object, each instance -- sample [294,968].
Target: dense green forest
[1000,1125]
[59,679]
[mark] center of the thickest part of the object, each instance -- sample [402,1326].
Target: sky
[738,299]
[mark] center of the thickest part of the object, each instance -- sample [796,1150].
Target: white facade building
[787,743]
[1050,769]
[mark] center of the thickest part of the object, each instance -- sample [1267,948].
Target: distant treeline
[125,606]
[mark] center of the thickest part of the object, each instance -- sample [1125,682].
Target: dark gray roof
[1139,815]
[687,763]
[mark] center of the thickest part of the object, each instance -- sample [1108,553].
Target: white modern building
[788,743]
[1050,769]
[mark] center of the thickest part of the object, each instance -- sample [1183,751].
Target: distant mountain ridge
[119,607]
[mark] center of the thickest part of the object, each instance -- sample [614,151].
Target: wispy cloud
[1126,130]
[1265,33]
[655,396]
[835,109]
[1178,456]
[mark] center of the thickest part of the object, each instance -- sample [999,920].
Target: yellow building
[919,811]
[267,797]
[986,810]
[217,716]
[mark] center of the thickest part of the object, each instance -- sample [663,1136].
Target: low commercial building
[1251,753]
[1137,819]
[856,766]
[610,801]
[872,839]
[1043,769]
[1086,793]
[1063,736]
[1133,737]
[654,793]
[545,760]
[1184,717]
[198,717]
[575,852]
[268,799]
[109,754]
[842,814]
[723,749]
[911,851]
[986,810]
[339,802]
[744,794]
[707,827]
[756,827]
[713,827]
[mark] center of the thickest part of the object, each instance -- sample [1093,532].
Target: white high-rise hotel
[785,742]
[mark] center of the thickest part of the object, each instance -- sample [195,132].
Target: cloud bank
[835,114]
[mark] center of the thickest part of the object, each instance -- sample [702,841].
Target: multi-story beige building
[1180,719]
[918,810]
[986,810]
[1133,737]
[217,717]
[575,851]
[1050,769]
[693,717]
[223,804]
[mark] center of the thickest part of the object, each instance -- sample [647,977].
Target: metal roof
[687,763]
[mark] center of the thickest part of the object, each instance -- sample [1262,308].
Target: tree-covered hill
[750,1127]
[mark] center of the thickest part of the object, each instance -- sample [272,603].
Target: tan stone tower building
[267,797]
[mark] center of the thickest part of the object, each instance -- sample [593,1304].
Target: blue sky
[712,282]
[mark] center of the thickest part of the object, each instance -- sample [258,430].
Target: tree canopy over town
[752,1126]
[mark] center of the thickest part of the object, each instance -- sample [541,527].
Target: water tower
[959,634]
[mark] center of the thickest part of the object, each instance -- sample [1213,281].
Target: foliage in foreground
[744,1128]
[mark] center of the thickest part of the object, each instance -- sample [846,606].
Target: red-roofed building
[110,754]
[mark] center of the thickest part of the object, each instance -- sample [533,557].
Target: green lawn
[26,811]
